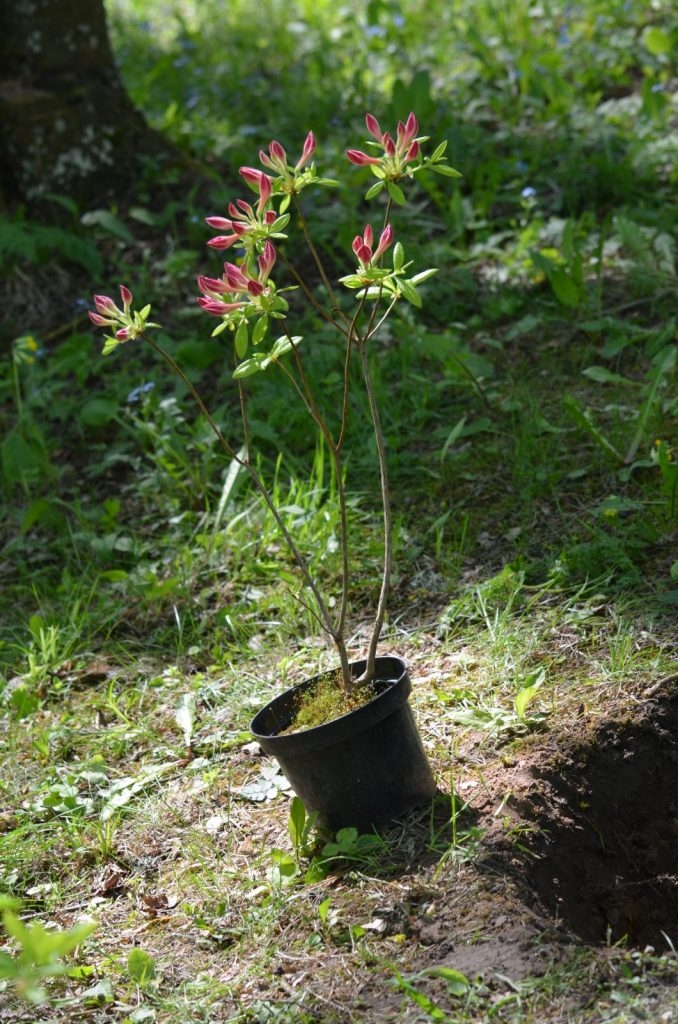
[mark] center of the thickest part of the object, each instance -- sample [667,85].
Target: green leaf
[323,909]
[42,512]
[656,41]
[564,288]
[185,716]
[352,281]
[424,275]
[453,437]
[602,375]
[248,367]
[109,222]
[409,292]
[284,345]
[99,994]
[280,223]
[375,190]
[23,702]
[420,999]
[398,257]
[260,330]
[42,947]
[140,966]
[296,822]
[528,691]
[438,152]
[144,216]
[315,872]
[9,967]
[449,172]
[396,193]
[8,902]
[242,339]
[457,983]
[109,345]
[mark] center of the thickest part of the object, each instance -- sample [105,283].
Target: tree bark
[67,125]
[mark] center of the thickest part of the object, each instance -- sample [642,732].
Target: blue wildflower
[137,393]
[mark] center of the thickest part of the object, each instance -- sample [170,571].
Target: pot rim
[390,669]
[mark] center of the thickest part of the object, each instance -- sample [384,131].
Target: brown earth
[575,868]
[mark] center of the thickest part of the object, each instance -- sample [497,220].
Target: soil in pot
[327,701]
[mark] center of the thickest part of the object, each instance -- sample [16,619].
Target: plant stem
[324,613]
[386,504]
[306,394]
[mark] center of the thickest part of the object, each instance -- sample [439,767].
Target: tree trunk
[67,126]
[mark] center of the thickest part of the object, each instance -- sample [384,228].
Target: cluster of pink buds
[244,298]
[245,222]
[129,324]
[237,287]
[276,160]
[396,152]
[362,246]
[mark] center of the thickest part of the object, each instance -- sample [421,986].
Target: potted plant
[365,764]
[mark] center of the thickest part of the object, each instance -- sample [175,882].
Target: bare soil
[577,866]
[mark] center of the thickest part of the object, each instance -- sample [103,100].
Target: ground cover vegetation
[147,605]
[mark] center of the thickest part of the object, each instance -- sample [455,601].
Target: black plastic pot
[362,769]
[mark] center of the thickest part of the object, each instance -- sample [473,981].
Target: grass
[148,609]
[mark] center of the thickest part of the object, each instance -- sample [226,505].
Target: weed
[40,952]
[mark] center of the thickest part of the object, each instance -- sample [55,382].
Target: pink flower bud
[277,152]
[212,285]
[411,126]
[235,277]
[216,308]
[362,249]
[389,145]
[255,287]
[105,305]
[356,156]
[270,217]
[252,176]
[413,152]
[384,241]
[367,235]
[265,159]
[99,320]
[127,297]
[123,334]
[266,260]
[220,223]
[373,127]
[407,132]
[307,152]
[223,241]
[265,189]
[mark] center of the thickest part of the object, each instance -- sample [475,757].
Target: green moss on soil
[327,701]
